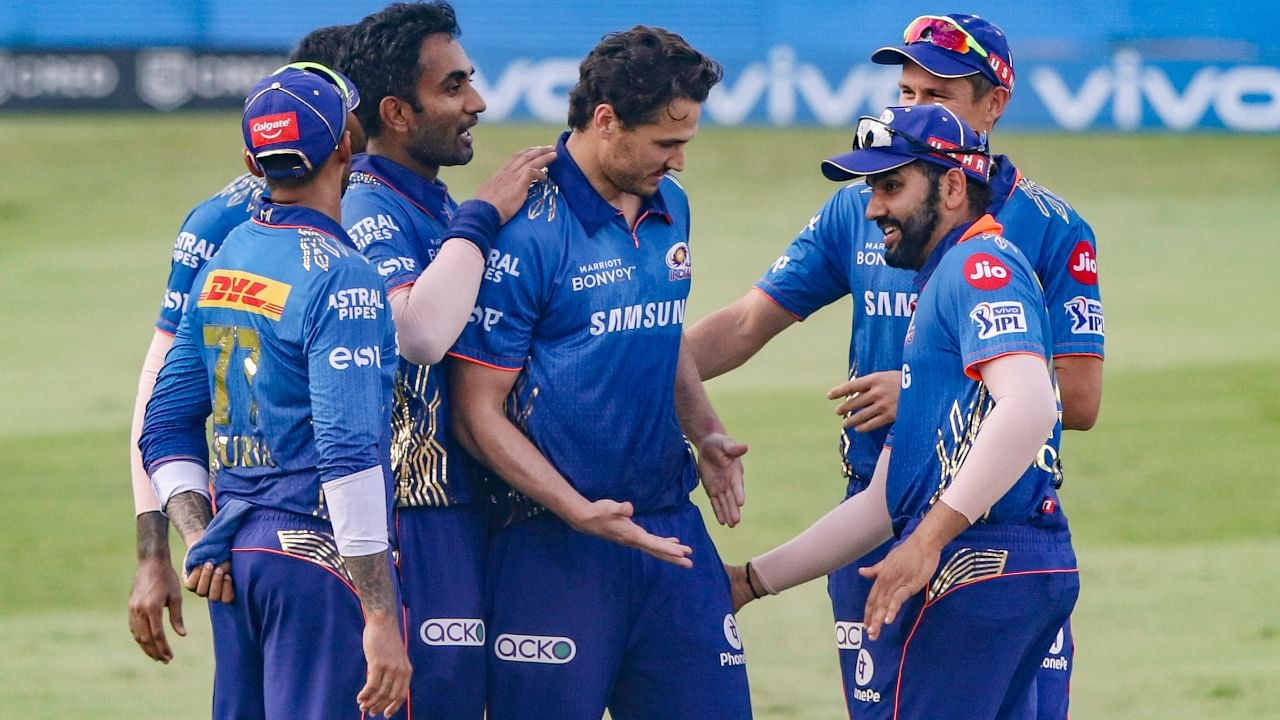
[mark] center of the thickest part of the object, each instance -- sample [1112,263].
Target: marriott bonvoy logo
[268,129]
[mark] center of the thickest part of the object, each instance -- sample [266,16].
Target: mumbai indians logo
[545,649]
[678,261]
[1086,316]
[998,318]
[238,290]
[455,632]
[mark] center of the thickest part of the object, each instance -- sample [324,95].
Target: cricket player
[606,589]
[982,574]
[155,585]
[418,108]
[964,63]
[290,349]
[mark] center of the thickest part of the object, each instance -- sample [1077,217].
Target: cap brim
[939,62]
[860,163]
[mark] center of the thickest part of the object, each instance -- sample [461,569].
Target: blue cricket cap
[902,135]
[298,114]
[938,43]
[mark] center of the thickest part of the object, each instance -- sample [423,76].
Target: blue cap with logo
[952,46]
[299,114]
[902,135]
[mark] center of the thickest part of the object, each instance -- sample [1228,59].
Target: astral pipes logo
[268,129]
[545,649]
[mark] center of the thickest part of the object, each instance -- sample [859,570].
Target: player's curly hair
[639,72]
[381,55]
[321,45]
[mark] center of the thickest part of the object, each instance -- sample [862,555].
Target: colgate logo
[1084,264]
[268,129]
[986,272]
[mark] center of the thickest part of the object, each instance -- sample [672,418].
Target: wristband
[754,593]
[477,221]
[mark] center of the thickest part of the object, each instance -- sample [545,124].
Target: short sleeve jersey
[840,253]
[589,311]
[980,300]
[200,237]
[397,219]
[289,347]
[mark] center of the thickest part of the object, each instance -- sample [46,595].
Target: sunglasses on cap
[942,32]
[874,132]
[349,95]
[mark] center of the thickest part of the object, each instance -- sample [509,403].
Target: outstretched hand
[508,188]
[901,574]
[611,520]
[870,401]
[720,466]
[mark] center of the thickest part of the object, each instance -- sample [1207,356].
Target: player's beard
[914,233]
[624,170]
[439,146]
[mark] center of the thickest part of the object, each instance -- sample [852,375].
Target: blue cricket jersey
[290,347]
[397,219]
[590,312]
[839,252]
[980,299]
[200,237]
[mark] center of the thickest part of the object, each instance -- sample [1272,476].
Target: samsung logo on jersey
[895,304]
[636,317]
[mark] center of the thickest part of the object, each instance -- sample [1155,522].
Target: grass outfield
[1172,496]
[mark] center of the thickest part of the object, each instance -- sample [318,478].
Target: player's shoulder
[1031,200]
[230,206]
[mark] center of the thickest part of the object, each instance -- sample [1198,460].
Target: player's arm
[719,457]
[854,528]
[1080,387]
[347,413]
[728,337]
[431,312]
[479,394]
[155,584]
[1007,442]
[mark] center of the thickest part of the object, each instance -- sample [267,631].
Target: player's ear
[954,189]
[252,164]
[994,103]
[605,119]
[395,114]
[344,149]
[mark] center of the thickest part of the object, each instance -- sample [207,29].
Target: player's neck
[584,149]
[324,195]
[399,154]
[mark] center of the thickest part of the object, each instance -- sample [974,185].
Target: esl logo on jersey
[848,635]
[678,262]
[544,649]
[730,659]
[452,632]
[341,358]
[999,318]
[1086,316]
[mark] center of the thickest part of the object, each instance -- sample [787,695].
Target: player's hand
[870,401]
[739,588]
[155,587]
[900,575]
[611,520]
[387,682]
[508,188]
[720,465]
[211,581]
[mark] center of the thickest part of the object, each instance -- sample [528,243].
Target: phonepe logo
[848,635]
[452,632]
[544,649]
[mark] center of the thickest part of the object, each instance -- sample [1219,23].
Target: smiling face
[905,205]
[441,133]
[917,86]
[636,158]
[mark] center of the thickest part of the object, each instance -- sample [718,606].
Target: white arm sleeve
[1010,436]
[430,313]
[855,528]
[144,496]
[177,477]
[358,510]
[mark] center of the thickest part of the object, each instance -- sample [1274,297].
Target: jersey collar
[1004,180]
[981,226]
[295,216]
[592,210]
[428,195]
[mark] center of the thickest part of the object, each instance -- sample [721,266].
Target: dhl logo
[245,291]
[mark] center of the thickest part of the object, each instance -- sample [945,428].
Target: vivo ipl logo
[1086,316]
[998,318]
[545,649]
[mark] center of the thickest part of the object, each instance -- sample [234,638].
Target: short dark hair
[381,55]
[639,72]
[980,84]
[979,193]
[321,45]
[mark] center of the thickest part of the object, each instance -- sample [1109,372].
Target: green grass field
[1173,496]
